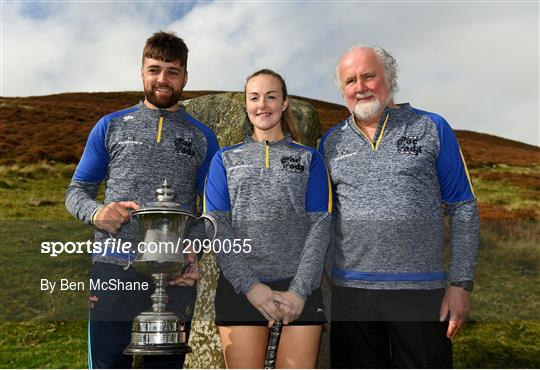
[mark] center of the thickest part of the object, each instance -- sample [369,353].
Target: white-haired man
[395,171]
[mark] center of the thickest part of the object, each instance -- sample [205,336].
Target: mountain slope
[55,127]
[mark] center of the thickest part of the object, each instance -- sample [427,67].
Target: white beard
[368,111]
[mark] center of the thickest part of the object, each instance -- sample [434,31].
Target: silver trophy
[163,226]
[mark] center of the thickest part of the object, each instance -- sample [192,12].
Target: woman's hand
[291,313]
[190,276]
[266,301]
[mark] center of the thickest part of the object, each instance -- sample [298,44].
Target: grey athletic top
[278,195]
[133,151]
[390,198]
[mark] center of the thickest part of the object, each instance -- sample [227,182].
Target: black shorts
[388,329]
[235,309]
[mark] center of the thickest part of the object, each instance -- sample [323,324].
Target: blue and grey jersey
[133,151]
[390,198]
[277,194]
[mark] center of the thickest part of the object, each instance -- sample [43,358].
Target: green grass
[21,291]
[43,344]
[34,192]
[511,197]
[512,188]
[507,345]
[507,272]
[504,324]
[39,330]
[42,330]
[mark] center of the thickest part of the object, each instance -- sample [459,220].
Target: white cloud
[476,64]
[78,47]
[480,72]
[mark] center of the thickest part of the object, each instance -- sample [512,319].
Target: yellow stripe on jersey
[467,172]
[160,128]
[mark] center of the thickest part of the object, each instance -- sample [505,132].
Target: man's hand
[191,275]
[291,313]
[266,301]
[113,215]
[457,302]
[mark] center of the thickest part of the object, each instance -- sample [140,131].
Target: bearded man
[396,170]
[133,151]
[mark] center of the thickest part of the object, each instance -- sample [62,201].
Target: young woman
[272,201]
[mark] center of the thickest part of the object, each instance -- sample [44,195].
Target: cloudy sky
[475,63]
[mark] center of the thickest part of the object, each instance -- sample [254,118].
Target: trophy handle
[129,262]
[212,220]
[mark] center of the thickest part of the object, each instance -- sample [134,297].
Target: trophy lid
[165,202]
[165,193]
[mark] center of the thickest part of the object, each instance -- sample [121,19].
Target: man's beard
[368,110]
[163,102]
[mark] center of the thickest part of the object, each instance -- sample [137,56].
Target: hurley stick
[273,344]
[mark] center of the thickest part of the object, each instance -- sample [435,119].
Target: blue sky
[475,63]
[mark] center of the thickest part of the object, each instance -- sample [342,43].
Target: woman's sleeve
[319,210]
[217,204]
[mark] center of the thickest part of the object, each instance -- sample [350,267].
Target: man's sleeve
[319,210]
[457,193]
[81,194]
[218,205]
[198,231]
[329,260]
[212,148]
[321,143]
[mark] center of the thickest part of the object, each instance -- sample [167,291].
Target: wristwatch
[465,284]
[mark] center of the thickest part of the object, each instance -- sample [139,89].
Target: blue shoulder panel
[327,133]
[319,189]
[216,192]
[454,179]
[212,148]
[95,159]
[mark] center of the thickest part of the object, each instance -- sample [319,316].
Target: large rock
[204,337]
[225,114]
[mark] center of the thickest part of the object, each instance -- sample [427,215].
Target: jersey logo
[130,140]
[292,163]
[239,164]
[184,147]
[408,145]
[344,154]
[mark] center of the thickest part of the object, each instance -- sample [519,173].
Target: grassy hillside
[49,330]
[37,326]
[55,127]
[39,330]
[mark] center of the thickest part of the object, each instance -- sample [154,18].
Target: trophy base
[157,349]
[157,333]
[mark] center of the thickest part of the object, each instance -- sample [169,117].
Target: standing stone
[225,115]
